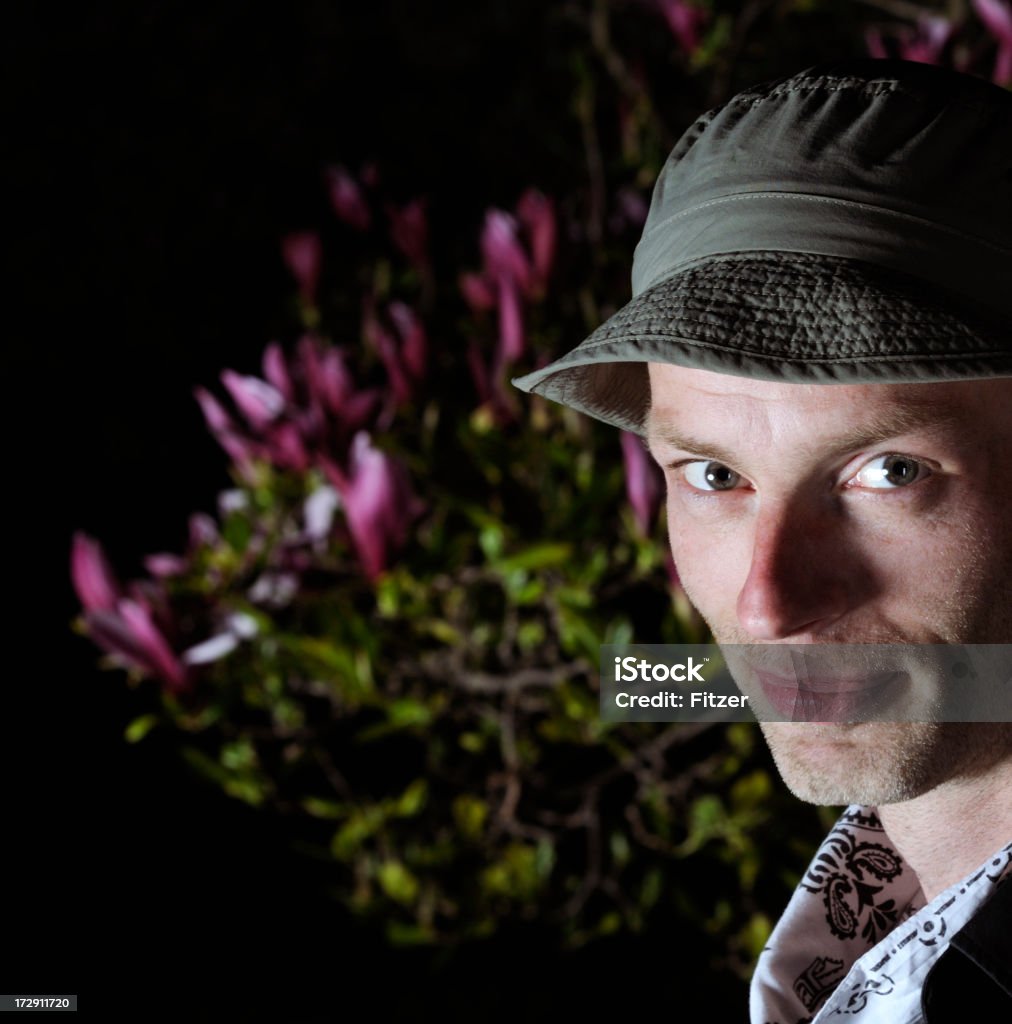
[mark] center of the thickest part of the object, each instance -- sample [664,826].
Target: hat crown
[916,141]
[850,224]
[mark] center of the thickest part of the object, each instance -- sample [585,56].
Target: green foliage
[434,731]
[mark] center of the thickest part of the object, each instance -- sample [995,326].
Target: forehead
[723,403]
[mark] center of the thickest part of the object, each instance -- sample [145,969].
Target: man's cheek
[706,581]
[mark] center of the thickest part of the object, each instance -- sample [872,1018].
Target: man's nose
[803,577]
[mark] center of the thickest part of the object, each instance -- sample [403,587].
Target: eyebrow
[878,429]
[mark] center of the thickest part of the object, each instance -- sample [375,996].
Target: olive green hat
[849,224]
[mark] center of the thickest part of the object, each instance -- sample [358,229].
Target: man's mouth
[827,699]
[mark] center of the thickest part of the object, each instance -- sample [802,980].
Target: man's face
[870,513]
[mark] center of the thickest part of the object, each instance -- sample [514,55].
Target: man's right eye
[711,476]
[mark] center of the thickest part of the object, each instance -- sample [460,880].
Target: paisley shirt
[857,939]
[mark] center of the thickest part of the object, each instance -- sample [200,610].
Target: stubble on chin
[876,763]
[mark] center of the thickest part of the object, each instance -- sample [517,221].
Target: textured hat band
[975,268]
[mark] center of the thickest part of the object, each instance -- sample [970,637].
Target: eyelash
[926,469]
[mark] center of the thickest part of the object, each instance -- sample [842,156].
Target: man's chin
[870,763]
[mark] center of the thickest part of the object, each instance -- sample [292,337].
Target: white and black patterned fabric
[858,942]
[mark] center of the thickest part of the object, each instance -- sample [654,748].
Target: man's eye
[711,476]
[890,471]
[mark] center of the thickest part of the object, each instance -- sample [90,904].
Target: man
[819,356]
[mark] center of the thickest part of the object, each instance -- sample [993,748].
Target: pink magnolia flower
[308,404]
[997,18]
[643,483]
[923,43]
[503,253]
[261,403]
[92,576]
[276,371]
[303,255]
[409,230]
[164,564]
[347,199]
[123,626]
[378,502]
[403,348]
[536,213]
[203,533]
[478,292]
[414,346]
[518,253]
[685,21]
[241,449]
[329,406]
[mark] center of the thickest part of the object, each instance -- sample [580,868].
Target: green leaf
[650,890]
[401,934]
[491,541]
[356,830]
[239,755]
[472,742]
[530,634]
[249,790]
[237,531]
[470,813]
[442,631]
[397,881]
[754,935]
[751,791]
[539,556]
[408,711]
[323,808]
[139,728]
[412,800]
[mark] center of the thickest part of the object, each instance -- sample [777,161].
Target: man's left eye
[890,471]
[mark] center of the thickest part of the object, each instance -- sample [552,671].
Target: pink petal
[309,359]
[537,214]
[359,409]
[378,503]
[925,43]
[511,323]
[478,291]
[257,400]
[642,483]
[347,199]
[997,18]
[685,21]
[276,371]
[224,430]
[303,254]
[409,230]
[503,254]
[286,449]
[203,531]
[92,576]
[413,341]
[213,649]
[384,344]
[156,648]
[318,512]
[333,379]
[164,564]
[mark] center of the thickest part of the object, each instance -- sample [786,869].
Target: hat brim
[787,316]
